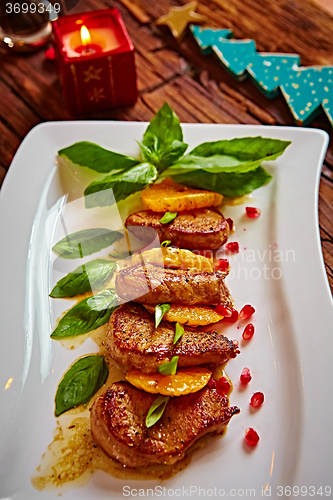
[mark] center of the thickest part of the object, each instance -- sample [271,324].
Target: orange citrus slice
[189,315]
[173,258]
[168,196]
[185,381]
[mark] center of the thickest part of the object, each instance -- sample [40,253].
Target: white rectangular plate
[279,270]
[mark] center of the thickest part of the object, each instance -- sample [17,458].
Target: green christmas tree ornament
[269,71]
[306,90]
[208,38]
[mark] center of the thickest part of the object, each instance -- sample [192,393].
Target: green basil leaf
[99,194]
[237,155]
[169,368]
[163,130]
[91,276]
[245,149]
[166,243]
[84,378]
[178,333]
[87,154]
[160,310]
[168,217]
[228,184]
[85,242]
[156,410]
[87,315]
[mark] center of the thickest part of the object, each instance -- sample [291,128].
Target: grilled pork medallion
[154,285]
[118,424]
[199,229]
[133,340]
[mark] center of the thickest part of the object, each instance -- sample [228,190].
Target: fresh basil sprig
[156,410]
[160,310]
[85,242]
[87,154]
[91,276]
[116,187]
[81,382]
[168,217]
[178,332]
[162,142]
[169,368]
[87,315]
[229,167]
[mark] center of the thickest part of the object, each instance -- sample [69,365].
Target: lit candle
[86,41]
[95,61]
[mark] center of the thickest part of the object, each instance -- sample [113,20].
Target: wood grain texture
[197,86]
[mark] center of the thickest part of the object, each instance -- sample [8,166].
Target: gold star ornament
[179,17]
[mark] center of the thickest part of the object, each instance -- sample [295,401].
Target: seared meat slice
[154,285]
[202,228]
[133,340]
[118,424]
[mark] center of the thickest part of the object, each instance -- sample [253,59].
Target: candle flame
[85,36]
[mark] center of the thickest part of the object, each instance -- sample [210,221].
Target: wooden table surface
[196,86]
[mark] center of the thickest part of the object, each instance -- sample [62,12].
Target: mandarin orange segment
[173,258]
[168,196]
[189,315]
[184,382]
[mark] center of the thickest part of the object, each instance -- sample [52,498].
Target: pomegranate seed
[246,312]
[245,376]
[224,310]
[222,265]
[223,386]
[248,332]
[211,384]
[232,247]
[252,212]
[233,318]
[230,223]
[257,399]
[251,436]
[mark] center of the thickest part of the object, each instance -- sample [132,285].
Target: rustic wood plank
[137,11]
[3,172]
[326,206]
[327,248]
[15,113]
[8,144]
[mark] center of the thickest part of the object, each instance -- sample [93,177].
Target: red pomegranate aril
[230,223]
[257,399]
[223,386]
[246,312]
[245,376]
[222,265]
[211,384]
[251,436]
[234,316]
[248,332]
[252,212]
[232,247]
[224,310]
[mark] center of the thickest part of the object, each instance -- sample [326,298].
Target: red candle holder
[99,72]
